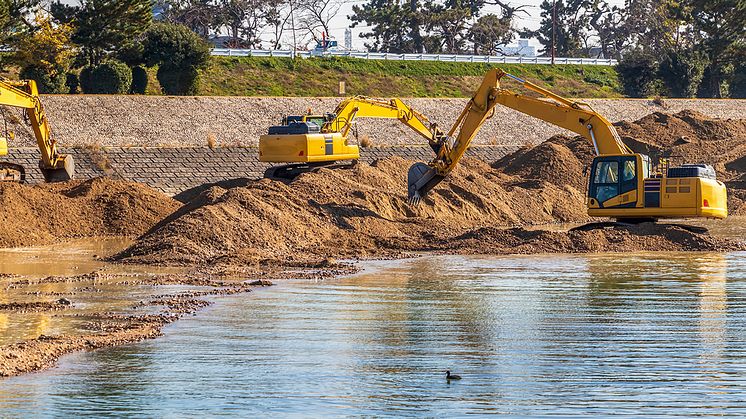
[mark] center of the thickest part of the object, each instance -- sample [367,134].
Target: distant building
[523,49]
[348,39]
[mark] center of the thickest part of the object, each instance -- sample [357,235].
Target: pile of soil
[362,212]
[47,213]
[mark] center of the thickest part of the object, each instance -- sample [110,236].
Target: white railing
[226,52]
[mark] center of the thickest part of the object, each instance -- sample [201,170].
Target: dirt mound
[643,237]
[47,213]
[688,136]
[362,212]
[348,213]
[560,160]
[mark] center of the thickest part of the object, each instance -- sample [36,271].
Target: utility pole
[554,29]
[292,23]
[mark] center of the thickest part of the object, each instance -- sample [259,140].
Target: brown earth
[49,213]
[362,212]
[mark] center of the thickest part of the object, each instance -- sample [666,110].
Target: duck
[450,376]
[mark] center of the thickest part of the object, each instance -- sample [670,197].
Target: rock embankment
[191,121]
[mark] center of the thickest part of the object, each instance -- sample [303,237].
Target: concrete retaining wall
[239,121]
[176,170]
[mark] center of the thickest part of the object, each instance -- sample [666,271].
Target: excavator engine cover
[61,174]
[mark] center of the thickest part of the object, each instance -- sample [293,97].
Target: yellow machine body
[330,143]
[306,148]
[3,146]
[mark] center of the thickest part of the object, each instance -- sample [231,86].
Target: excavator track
[630,223]
[288,172]
[11,172]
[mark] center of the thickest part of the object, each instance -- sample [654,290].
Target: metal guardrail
[227,52]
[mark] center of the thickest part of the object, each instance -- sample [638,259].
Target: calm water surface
[661,334]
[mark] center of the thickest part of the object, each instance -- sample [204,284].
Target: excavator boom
[24,94]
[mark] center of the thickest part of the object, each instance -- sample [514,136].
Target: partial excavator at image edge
[54,166]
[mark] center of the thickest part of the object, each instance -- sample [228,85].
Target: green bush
[179,53]
[139,80]
[638,74]
[173,44]
[72,83]
[738,82]
[46,82]
[111,77]
[682,71]
[177,81]
[85,78]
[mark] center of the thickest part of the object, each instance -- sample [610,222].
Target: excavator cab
[615,180]
[621,187]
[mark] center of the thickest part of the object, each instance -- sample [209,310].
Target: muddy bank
[143,318]
[49,213]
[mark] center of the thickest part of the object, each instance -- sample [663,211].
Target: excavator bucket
[61,174]
[421,178]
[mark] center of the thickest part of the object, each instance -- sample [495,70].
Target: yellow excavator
[622,185]
[312,141]
[55,167]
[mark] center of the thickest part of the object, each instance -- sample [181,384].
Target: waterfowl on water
[450,376]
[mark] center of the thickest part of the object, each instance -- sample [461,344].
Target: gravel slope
[188,121]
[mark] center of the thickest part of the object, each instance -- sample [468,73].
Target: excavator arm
[366,107]
[24,94]
[574,116]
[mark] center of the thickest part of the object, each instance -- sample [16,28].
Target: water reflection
[598,334]
[22,280]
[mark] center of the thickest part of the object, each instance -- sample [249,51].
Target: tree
[490,32]
[244,21]
[571,29]
[448,24]
[103,27]
[179,53]
[45,55]
[638,73]
[608,22]
[201,16]
[721,24]
[395,27]
[277,14]
[682,71]
[316,15]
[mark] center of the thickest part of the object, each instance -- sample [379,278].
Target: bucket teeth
[421,178]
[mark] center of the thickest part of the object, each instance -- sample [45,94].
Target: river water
[648,334]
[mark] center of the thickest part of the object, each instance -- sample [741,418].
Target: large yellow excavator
[55,167]
[622,185]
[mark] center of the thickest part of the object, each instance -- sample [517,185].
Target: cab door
[613,182]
